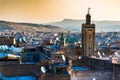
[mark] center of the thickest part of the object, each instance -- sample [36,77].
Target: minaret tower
[88,36]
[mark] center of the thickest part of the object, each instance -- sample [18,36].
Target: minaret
[62,40]
[88,36]
[88,18]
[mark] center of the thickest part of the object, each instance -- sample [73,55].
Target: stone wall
[15,69]
[6,40]
[76,62]
[55,77]
[116,72]
[93,63]
[97,64]
[90,75]
[19,69]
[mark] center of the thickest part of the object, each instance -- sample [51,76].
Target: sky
[42,11]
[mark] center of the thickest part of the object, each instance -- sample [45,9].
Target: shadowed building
[7,40]
[88,36]
[21,42]
[62,40]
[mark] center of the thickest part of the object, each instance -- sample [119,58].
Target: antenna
[43,69]
[89,10]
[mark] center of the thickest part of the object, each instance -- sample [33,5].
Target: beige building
[88,36]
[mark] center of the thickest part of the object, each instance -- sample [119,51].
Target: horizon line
[53,21]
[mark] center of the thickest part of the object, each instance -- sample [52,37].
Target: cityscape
[67,49]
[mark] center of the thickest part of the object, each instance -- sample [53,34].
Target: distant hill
[29,27]
[75,25]
[61,26]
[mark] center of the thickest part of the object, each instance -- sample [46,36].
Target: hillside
[29,27]
[61,26]
[75,25]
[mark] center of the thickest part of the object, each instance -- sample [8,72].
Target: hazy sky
[55,10]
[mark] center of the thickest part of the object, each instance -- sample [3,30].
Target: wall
[90,75]
[55,77]
[116,72]
[19,69]
[93,63]
[96,64]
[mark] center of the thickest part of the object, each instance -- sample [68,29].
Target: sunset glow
[40,11]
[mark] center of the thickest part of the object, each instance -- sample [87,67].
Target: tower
[88,36]
[62,40]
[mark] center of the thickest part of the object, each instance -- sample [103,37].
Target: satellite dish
[79,57]
[0,47]
[94,79]
[43,69]
[57,38]
[63,57]
[24,39]
[20,39]
[99,54]
[5,46]
[116,54]
[55,34]
[103,54]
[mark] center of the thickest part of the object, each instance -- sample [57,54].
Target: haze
[42,11]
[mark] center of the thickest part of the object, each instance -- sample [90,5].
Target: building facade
[7,40]
[88,36]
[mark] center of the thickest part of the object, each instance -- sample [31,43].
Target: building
[88,36]
[62,40]
[21,42]
[7,40]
